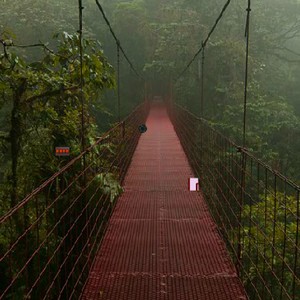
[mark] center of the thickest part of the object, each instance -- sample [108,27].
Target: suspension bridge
[236,238]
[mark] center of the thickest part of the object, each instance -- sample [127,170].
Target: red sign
[62,151]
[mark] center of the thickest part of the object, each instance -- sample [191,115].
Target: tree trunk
[15,139]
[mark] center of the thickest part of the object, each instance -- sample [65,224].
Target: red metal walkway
[161,242]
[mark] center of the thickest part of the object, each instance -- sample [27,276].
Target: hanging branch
[51,93]
[10,44]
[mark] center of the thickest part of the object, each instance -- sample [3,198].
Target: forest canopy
[160,38]
[63,86]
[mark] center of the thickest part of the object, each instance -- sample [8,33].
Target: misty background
[160,37]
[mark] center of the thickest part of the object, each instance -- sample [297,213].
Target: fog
[52,95]
[160,39]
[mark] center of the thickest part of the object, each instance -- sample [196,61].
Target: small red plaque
[62,151]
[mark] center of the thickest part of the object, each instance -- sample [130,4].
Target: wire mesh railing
[256,208]
[48,241]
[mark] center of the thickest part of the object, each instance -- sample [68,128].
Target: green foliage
[46,105]
[109,185]
[41,100]
[271,127]
[272,110]
[263,235]
[40,105]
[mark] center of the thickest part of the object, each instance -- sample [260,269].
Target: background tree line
[39,85]
[161,37]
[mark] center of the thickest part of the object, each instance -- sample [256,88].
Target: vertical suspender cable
[247,31]
[145,91]
[120,50]
[202,81]
[243,166]
[81,97]
[171,100]
[119,83]
[172,92]
[206,40]
[83,131]
[81,76]
[116,39]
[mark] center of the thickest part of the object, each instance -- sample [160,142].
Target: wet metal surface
[161,242]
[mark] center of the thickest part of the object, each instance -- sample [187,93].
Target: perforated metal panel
[161,242]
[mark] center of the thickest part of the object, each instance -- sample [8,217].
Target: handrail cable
[206,40]
[117,40]
[65,168]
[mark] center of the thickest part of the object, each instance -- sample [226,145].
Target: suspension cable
[116,39]
[206,40]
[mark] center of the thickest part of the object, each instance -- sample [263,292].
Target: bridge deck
[161,242]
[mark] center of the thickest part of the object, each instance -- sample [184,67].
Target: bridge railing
[48,241]
[256,208]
